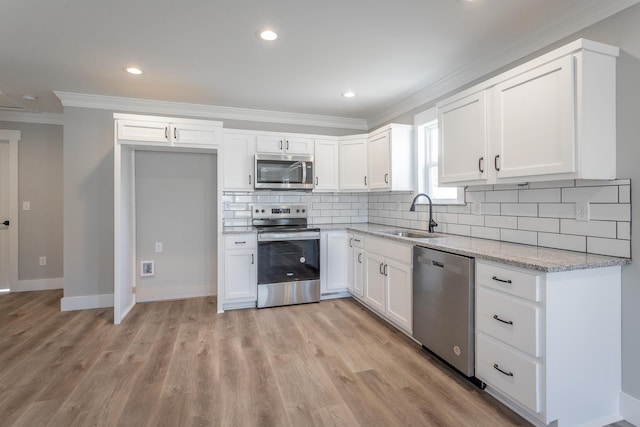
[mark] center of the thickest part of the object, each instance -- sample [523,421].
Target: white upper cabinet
[353,163]
[283,144]
[463,125]
[154,130]
[326,165]
[389,158]
[550,118]
[239,151]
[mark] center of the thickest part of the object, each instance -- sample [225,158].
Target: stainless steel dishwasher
[443,306]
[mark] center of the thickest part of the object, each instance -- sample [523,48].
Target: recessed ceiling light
[133,70]
[348,94]
[268,35]
[29,97]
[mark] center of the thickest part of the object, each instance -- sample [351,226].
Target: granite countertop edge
[514,254]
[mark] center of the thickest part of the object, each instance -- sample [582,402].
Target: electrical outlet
[158,246]
[582,211]
[26,206]
[43,260]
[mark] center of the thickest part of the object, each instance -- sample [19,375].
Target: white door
[463,140]
[239,151]
[358,272]
[240,276]
[379,162]
[270,144]
[4,215]
[374,283]
[353,164]
[326,165]
[337,259]
[535,132]
[299,146]
[399,293]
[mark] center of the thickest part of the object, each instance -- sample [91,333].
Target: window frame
[422,170]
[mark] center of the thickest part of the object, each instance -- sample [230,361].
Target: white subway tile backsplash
[490,208]
[485,233]
[519,209]
[447,217]
[519,236]
[461,230]
[612,247]
[561,241]
[621,212]
[547,195]
[598,183]
[501,221]
[475,196]
[589,228]
[624,230]
[590,194]
[501,196]
[467,219]
[459,209]
[557,210]
[624,194]
[549,225]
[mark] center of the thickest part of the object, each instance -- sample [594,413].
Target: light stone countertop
[514,254]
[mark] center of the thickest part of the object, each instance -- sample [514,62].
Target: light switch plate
[158,246]
[26,206]
[582,211]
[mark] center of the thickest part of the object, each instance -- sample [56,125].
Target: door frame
[13,136]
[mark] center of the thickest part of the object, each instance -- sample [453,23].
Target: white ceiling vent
[8,103]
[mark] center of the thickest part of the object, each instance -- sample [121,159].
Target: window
[426,125]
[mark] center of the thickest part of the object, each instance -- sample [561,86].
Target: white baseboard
[144,297]
[86,302]
[39,284]
[630,408]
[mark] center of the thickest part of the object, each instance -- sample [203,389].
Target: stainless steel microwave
[283,172]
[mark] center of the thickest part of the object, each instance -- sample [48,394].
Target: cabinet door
[374,283]
[270,144]
[379,162]
[336,262]
[350,263]
[462,127]
[535,121]
[399,293]
[353,164]
[194,134]
[358,272]
[326,161]
[299,146]
[143,131]
[240,278]
[239,151]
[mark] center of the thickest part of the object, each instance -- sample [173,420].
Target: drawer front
[523,284]
[358,241]
[240,241]
[508,319]
[505,370]
[390,249]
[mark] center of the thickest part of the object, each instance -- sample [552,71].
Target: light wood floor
[179,363]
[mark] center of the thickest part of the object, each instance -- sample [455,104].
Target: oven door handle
[297,235]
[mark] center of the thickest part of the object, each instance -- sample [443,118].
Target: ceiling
[390,53]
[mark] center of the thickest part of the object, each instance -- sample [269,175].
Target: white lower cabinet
[334,262]
[550,343]
[387,281]
[240,271]
[355,278]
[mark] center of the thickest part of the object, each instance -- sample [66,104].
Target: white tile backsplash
[590,194]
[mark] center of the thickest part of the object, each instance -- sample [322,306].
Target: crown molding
[544,37]
[137,105]
[24,117]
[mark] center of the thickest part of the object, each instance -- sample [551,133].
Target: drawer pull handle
[437,264]
[508,322]
[240,243]
[497,279]
[360,258]
[497,368]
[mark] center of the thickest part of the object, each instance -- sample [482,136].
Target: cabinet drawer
[508,319]
[357,241]
[389,249]
[239,241]
[504,369]
[523,284]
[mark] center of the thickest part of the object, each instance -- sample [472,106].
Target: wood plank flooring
[179,363]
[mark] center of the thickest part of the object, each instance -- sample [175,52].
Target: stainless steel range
[288,256]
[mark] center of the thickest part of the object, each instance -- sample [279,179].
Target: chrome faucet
[432,223]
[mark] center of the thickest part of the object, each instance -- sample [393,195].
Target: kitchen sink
[414,234]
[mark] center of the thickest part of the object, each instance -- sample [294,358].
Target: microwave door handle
[304,172]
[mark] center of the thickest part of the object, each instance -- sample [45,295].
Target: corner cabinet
[550,118]
[353,163]
[390,158]
[238,170]
[240,271]
[153,130]
[326,165]
[550,343]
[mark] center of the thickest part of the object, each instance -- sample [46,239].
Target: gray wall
[176,204]
[39,182]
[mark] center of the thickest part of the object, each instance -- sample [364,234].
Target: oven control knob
[297,210]
[304,210]
[262,211]
[257,210]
